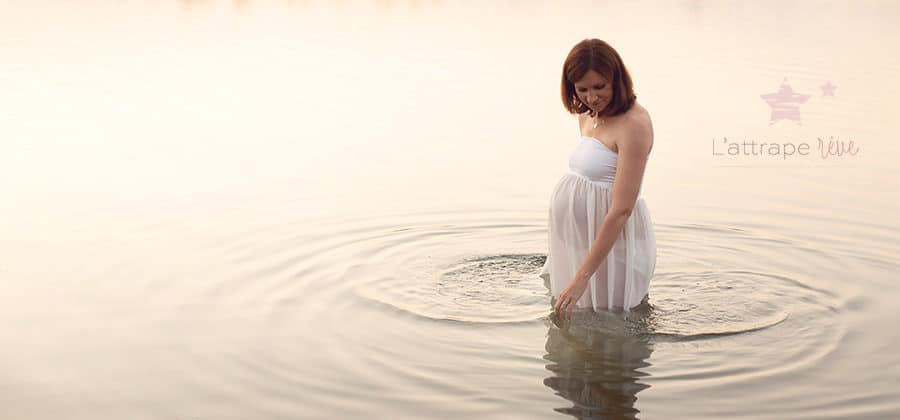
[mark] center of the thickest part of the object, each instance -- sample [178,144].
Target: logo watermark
[821,148]
[785,104]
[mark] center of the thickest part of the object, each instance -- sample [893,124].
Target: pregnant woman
[602,248]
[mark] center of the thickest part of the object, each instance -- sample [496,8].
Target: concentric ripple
[701,305]
[727,304]
[485,289]
[701,288]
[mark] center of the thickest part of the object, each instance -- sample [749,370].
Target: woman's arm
[630,164]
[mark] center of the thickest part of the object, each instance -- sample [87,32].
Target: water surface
[216,210]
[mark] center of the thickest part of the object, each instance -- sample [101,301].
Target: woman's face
[594,90]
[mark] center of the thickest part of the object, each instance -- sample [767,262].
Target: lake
[311,209]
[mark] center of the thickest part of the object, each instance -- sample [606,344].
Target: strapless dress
[578,204]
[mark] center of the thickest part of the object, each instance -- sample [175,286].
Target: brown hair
[597,55]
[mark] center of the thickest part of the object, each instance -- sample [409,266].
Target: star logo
[785,103]
[828,89]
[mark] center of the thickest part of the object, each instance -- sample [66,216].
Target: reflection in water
[596,361]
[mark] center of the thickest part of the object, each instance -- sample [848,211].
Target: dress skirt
[578,206]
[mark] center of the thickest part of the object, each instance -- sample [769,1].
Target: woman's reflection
[595,360]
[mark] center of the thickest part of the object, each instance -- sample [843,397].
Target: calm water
[280,210]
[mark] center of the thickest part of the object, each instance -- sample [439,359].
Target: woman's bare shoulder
[639,127]
[639,116]
[639,112]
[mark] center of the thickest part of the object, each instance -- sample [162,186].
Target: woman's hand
[568,298]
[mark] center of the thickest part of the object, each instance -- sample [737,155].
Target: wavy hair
[597,55]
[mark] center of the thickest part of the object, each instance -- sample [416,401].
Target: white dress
[578,204]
